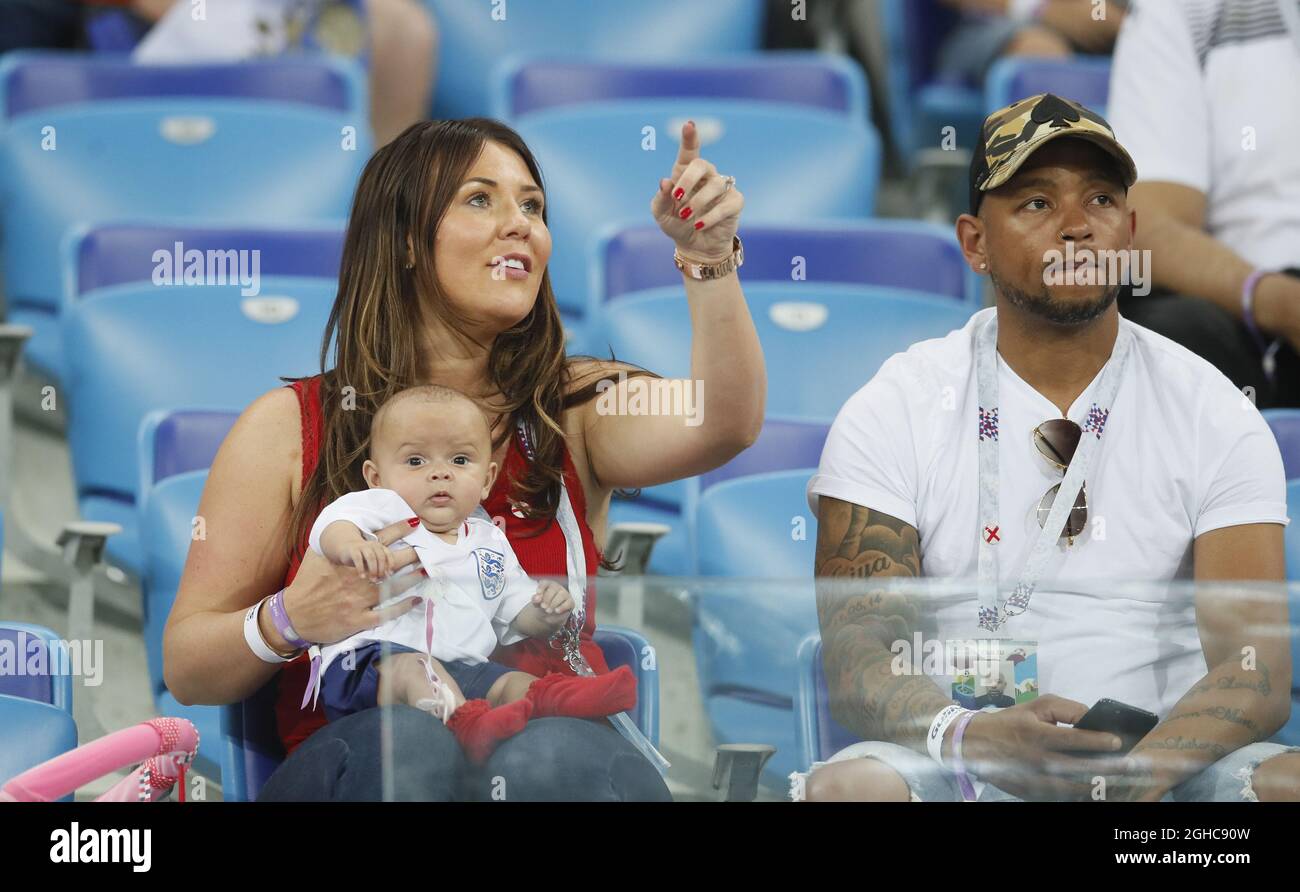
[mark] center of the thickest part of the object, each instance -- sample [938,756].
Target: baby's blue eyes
[416,460]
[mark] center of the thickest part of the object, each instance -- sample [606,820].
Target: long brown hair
[374,326]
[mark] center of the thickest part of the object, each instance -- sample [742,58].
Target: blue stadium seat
[819,735]
[920,104]
[124,253]
[746,637]
[782,444]
[473,38]
[36,80]
[180,142]
[891,253]
[821,343]
[1290,733]
[607,178]
[54,686]
[251,749]
[131,349]
[1285,424]
[166,525]
[31,733]
[1085,79]
[529,84]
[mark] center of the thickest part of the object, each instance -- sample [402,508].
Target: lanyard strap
[994,611]
[575,557]
[569,637]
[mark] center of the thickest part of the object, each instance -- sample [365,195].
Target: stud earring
[984,266]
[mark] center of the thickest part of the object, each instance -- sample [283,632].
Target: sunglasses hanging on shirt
[1057,439]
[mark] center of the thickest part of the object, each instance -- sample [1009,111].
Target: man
[1204,93]
[947,459]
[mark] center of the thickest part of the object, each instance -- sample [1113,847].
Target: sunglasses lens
[1057,439]
[1075,521]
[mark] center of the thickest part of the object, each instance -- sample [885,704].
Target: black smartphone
[1128,722]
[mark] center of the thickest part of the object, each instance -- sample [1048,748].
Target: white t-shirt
[1206,93]
[1183,453]
[477,586]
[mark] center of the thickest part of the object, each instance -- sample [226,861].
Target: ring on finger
[730,181]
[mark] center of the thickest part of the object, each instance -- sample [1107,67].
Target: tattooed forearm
[855,546]
[1256,680]
[1223,714]
[1228,709]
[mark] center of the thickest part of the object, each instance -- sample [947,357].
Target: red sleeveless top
[540,555]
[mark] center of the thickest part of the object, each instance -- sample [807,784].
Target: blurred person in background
[1206,95]
[398,36]
[992,29]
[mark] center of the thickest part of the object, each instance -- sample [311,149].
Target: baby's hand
[554,599]
[371,558]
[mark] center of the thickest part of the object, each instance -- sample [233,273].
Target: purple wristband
[963,779]
[282,624]
[1268,352]
[1248,307]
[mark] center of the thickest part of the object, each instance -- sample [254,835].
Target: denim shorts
[344,691]
[1227,780]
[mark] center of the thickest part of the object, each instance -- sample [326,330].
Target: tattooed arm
[859,622]
[1245,697]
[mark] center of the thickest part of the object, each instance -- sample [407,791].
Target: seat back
[184,145]
[819,736]
[907,254]
[528,84]
[473,39]
[109,254]
[32,732]
[821,343]
[599,181]
[136,348]
[41,80]
[1085,79]
[41,665]
[1285,424]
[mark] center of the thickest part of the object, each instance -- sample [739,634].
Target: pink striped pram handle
[162,748]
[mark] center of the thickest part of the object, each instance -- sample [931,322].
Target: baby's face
[436,456]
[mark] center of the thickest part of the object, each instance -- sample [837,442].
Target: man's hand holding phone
[1023,751]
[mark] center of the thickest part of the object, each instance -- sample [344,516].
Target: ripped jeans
[1227,780]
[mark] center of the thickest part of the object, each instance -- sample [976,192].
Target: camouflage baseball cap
[1012,134]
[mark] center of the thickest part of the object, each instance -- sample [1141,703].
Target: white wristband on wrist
[934,738]
[253,635]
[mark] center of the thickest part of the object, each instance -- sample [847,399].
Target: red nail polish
[413,522]
[424,572]
[677,195]
[699,224]
[686,212]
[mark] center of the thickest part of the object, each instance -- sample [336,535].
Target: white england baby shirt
[477,584]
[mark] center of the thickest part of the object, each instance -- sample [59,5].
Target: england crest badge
[491,572]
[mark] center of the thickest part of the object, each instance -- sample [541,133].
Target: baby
[430,458]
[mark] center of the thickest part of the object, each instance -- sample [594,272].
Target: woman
[424,297]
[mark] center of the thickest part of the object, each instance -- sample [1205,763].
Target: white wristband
[253,635]
[934,739]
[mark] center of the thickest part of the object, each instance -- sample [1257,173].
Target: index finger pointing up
[690,148]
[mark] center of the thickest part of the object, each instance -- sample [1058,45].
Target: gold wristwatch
[713,270]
